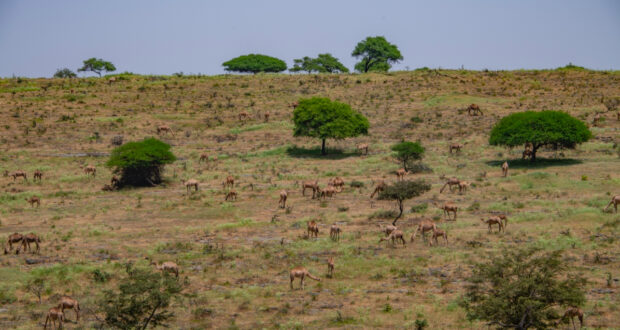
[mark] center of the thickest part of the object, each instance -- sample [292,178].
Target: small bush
[416,119]
[356,184]
[420,208]
[383,214]
[101,276]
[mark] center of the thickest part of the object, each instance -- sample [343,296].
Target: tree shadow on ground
[538,163]
[300,152]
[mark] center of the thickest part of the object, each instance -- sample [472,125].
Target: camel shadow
[539,163]
[300,152]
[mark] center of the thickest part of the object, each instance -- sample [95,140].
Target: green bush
[140,163]
[323,63]
[255,63]
[408,151]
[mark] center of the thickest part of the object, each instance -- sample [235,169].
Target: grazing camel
[505,169]
[456,146]
[38,175]
[19,173]
[571,313]
[330,267]
[424,226]
[504,219]
[438,233]
[337,183]
[31,238]
[463,186]
[473,110]
[167,266]
[230,182]
[231,195]
[327,192]
[334,232]
[615,201]
[54,314]
[400,174]
[90,170]
[67,302]
[451,182]
[243,115]
[267,115]
[34,199]
[283,197]
[301,272]
[447,208]
[310,185]
[494,221]
[164,129]
[381,185]
[394,236]
[13,239]
[203,158]
[388,229]
[189,184]
[313,229]
[363,148]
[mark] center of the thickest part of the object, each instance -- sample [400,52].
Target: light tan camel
[14,239]
[283,198]
[19,173]
[456,146]
[164,129]
[327,192]
[310,185]
[168,266]
[451,182]
[447,208]
[424,226]
[504,219]
[388,229]
[31,238]
[34,199]
[438,233]
[301,272]
[90,170]
[38,175]
[313,229]
[189,184]
[400,174]
[381,185]
[571,313]
[230,182]
[330,267]
[394,236]
[363,148]
[615,201]
[473,110]
[334,232]
[231,195]
[337,183]
[54,314]
[463,186]
[494,221]
[67,302]
[505,169]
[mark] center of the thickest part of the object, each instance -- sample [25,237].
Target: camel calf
[301,272]
[337,183]
[330,267]
[231,195]
[394,236]
[38,175]
[451,182]
[505,169]
[494,221]
[203,158]
[283,197]
[313,229]
[54,314]
[334,232]
[19,173]
[34,199]
[67,302]
[615,201]
[463,186]
[438,233]
[327,192]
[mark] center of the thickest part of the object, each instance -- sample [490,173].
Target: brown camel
[294,104]
[363,148]
[311,185]
[283,198]
[394,236]
[438,233]
[334,232]
[447,208]
[90,170]
[167,266]
[456,146]
[230,182]
[243,115]
[267,115]
[571,313]
[505,169]
[14,239]
[189,184]
[330,267]
[313,229]
[38,175]
[337,183]
[19,173]
[527,153]
[54,314]
[494,221]
[400,174]
[388,229]
[231,195]
[164,129]
[463,186]
[301,272]
[31,238]
[327,192]
[203,158]
[115,182]
[615,201]
[381,185]
[34,199]
[474,110]
[597,119]
[424,226]
[451,182]
[67,302]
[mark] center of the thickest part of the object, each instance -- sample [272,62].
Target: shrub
[356,184]
[64,73]
[419,208]
[140,163]
[408,151]
[323,63]
[255,63]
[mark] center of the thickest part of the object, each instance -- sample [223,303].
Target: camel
[334,232]
[31,238]
[54,314]
[400,174]
[330,267]
[19,173]
[283,197]
[203,157]
[571,312]
[90,170]
[424,226]
[38,175]
[451,182]
[504,219]
[230,182]
[311,185]
[231,195]
[327,192]
[615,201]
[337,183]
[267,115]
[463,185]
[363,148]
[505,169]
[301,272]
[395,235]
[473,110]
[164,129]
[527,153]
[115,182]
[111,80]
[34,199]
[313,229]
[294,104]
[13,239]
[189,184]
[438,233]
[243,115]
[167,266]
[381,185]
[388,229]
[494,221]
[447,208]
[67,302]
[456,146]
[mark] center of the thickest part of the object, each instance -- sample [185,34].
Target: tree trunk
[323,150]
[534,149]
[400,207]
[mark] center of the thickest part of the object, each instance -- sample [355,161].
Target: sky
[37,37]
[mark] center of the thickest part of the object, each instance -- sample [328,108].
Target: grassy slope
[50,124]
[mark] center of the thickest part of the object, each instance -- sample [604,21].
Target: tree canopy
[407,151]
[255,63]
[324,63]
[322,118]
[97,65]
[140,163]
[64,73]
[403,190]
[553,128]
[376,54]
[519,289]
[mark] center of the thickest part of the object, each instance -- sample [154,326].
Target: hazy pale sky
[164,36]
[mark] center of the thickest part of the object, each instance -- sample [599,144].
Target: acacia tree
[64,73]
[324,63]
[254,63]
[322,118]
[97,65]
[407,151]
[140,163]
[403,190]
[552,128]
[376,54]
[520,288]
